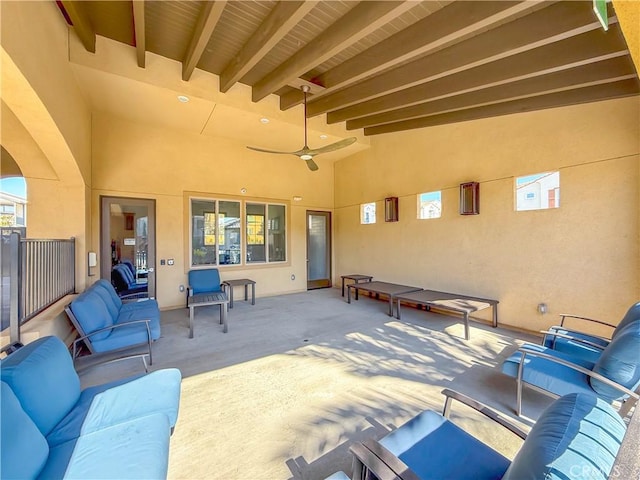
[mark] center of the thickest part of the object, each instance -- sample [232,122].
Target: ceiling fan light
[306,156]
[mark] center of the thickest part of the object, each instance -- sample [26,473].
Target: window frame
[243,203]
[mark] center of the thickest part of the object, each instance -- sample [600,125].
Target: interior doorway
[128,240]
[318,249]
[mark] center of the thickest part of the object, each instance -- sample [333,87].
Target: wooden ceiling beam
[608,91]
[139,30]
[207,21]
[360,21]
[81,24]
[590,47]
[548,25]
[278,23]
[449,25]
[607,71]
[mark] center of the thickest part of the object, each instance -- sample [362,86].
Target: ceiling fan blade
[270,151]
[334,146]
[312,165]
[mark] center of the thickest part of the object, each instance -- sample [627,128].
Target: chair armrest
[573,366]
[578,317]
[118,325]
[482,408]
[379,461]
[577,339]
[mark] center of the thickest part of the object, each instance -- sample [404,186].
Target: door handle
[150,270]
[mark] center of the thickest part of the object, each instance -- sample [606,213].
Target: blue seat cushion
[577,436]
[204,281]
[24,450]
[573,347]
[120,401]
[435,448]
[619,362]
[549,375]
[147,310]
[42,376]
[137,449]
[92,314]
[122,337]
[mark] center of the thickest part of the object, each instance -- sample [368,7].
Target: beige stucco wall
[134,160]
[583,257]
[49,137]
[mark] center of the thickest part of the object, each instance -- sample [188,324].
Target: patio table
[381,288]
[356,277]
[203,299]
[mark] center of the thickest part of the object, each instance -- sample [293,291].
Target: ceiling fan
[306,153]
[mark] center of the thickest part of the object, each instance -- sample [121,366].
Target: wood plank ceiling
[383,66]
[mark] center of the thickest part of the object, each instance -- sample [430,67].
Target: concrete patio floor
[298,378]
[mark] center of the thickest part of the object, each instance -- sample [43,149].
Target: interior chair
[612,377]
[576,433]
[125,283]
[581,344]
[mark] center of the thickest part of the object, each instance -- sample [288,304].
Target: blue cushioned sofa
[577,436]
[124,281]
[106,324]
[52,429]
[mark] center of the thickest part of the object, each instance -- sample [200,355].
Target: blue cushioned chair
[581,344]
[612,377]
[577,433]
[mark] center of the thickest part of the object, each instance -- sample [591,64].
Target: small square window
[538,192]
[368,213]
[430,205]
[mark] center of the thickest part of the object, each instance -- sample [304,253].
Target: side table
[238,283]
[357,278]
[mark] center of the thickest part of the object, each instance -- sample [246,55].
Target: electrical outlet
[170,261]
[181,288]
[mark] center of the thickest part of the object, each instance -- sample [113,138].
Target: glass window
[538,192]
[229,233]
[217,236]
[256,251]
[277,237]
[368,213]
[203,230]
[430,205]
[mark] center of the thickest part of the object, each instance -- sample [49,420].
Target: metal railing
[36,273]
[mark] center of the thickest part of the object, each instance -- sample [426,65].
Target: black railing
[36,273]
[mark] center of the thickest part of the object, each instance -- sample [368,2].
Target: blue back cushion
[42,376]
[92,314]
[577,436]
[126,274]
[204,281]
[619,362]
[24,449]
[113,309]
[107,287]
[632,315]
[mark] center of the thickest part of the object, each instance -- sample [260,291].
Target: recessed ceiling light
[323,136]
[183,98]
[264,120]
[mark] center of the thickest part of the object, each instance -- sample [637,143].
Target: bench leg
[466,326]
[253,294]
